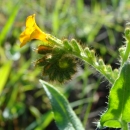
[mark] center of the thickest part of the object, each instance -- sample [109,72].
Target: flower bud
[101,64]
[40,62]
[122,51]
[127,31]
[43,49]
[60,68]
[108,68]
[87,51]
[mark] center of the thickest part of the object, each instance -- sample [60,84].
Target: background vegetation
[97,24]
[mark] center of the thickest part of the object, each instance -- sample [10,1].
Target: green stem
[78,51]
[124,125]
[127,51]
[110,79]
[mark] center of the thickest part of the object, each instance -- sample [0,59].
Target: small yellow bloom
[32,31]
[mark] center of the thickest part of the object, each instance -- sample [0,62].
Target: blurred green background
[98,24]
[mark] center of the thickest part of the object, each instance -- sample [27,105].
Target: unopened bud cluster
[99,64]
[127,31]
[74,48]
[57,65]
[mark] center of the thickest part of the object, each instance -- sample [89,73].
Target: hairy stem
[127,51]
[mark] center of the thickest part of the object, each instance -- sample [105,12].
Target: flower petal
[32,31]
[30,21]
[38,34]
[25,36]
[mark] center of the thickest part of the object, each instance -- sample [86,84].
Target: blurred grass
[99,25]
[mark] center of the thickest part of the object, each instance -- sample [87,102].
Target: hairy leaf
[118,111]
[64,116]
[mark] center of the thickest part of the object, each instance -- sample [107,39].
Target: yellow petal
[32,31]
[30,21]
[25,36]
[38,34]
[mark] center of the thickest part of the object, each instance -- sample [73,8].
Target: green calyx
[63,64]
[60,68]
[57,66]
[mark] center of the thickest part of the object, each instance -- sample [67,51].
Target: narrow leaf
[9,23]
[4,73]
[42,122]
[118,110]
[64,116]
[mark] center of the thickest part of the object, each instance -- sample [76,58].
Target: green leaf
[4,73]
[35,112]
[9,23]
[64,116]
[42,122]
[118,112]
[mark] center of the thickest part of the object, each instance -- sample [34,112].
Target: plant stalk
[127,51]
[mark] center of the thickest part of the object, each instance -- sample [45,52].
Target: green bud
[101,64]
[87,51]
[67,45]
[93,55]
[76,47]
[116,71]
[108,68]
[122,51]
[127,33]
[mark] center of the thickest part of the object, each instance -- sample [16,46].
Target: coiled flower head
[56,63]
[58,68]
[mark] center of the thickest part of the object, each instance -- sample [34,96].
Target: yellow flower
[32,31]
